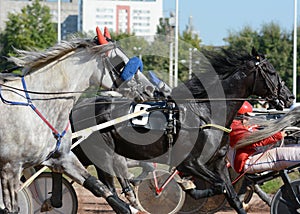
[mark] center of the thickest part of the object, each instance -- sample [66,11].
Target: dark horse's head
[274,88]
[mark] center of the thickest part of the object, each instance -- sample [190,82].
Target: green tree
[246,39]
[278,47]
[120,36]
[191,38]
[31,28]
[272,41]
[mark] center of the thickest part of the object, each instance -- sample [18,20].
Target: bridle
[272,87]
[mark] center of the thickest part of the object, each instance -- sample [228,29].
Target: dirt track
[89,204]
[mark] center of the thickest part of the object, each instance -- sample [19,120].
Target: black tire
[169,201]
[282,203]
[41,189]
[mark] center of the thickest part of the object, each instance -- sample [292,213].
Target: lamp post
[171,65]
[191,50]
[295,52]
[58,20]
[171,31]
[176,46]
[190,63]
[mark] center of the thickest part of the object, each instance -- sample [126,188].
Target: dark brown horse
[191,137]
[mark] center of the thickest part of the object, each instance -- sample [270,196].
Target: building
[131,16]
[140,17]
[69,13]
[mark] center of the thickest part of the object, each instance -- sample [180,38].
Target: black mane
[214,66]
[226,62]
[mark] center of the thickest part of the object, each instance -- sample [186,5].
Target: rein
[58,136]
[41,93]
[95,91]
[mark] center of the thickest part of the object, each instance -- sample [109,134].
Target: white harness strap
[83,134]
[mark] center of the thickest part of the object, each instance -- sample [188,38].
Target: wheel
[281,202]
[170,200]
[191,205]
[24,201]
[217,202]
[41,189]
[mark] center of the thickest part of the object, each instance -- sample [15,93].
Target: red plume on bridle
[100,36]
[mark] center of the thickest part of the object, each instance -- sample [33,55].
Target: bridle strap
[112,72]
[270,84]
[255,80]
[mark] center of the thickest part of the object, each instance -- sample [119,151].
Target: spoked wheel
[191,205]
[41,189]
[282,202]
[170,200]
[24,201]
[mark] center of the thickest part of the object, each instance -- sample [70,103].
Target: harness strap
[222,128]
[29,103]
[58,138]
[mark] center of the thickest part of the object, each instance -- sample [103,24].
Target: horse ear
[106,33]
[254,52]
[100,36]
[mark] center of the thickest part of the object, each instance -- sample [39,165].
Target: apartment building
[131,16]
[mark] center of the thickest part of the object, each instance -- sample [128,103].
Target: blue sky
[213,19]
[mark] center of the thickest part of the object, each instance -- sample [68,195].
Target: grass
[272,186]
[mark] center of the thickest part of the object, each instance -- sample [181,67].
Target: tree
[246,39]
[278,47]
[32,28]
[272,41]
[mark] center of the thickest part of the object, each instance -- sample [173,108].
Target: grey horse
[29,122]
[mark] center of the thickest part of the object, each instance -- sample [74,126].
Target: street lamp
[58,20]
[172,24]
[176,44]
[295,52]
[191,50]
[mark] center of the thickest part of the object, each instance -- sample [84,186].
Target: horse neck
[68,75]
[236,89]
